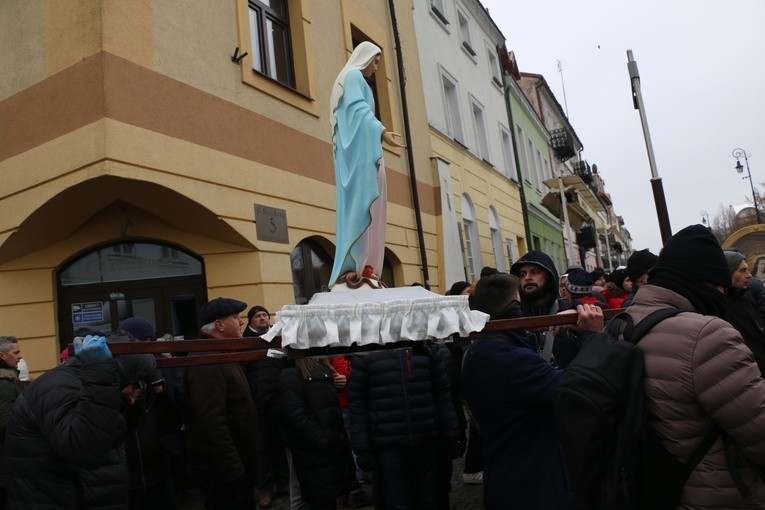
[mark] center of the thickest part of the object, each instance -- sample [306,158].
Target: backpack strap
[618,324]
[548,336]
[641,328]
[700,453]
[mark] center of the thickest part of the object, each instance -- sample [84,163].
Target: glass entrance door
[161,284]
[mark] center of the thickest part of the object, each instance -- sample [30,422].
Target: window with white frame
[533,166]
[546,170]
[270,40]
[524,162]
[479,126]
[438,8]
[540,169]
[452,107]
[511,256]
[496,76]
[496,240]
[472,249]
[465,40]
[507,153]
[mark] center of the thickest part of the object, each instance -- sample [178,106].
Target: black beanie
[639,263]
[255,309]
[617,277]
[695,253]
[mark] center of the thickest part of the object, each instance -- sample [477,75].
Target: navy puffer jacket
[400,398]
[64,441]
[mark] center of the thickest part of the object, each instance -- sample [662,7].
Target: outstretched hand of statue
[392,138]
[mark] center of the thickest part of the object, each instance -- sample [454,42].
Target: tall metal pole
[656,185]
[737,153]
[409,155]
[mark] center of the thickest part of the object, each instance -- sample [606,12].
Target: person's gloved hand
[366,461]
[91,349]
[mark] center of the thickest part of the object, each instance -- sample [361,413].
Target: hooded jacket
[699,375]
[545,262]
[566,345]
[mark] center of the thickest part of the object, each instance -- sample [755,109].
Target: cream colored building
[481,222]
[144,171]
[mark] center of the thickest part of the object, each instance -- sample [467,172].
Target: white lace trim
[379,316]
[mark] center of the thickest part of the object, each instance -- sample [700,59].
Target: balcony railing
[582,169]
[562,144]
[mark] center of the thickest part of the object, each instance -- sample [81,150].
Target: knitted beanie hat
[734,258]
[255,309]
[579,281]
[618,276]
[695,253]
[639,263]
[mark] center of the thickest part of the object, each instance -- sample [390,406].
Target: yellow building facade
[144,171]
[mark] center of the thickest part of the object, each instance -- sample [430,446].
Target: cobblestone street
[462,497]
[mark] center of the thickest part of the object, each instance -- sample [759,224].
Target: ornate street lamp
[705,219]
[738,153]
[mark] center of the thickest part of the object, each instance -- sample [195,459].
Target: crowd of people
[104,431]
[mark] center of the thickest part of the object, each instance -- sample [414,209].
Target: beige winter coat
[700,373]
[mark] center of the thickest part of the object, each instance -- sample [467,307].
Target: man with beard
[741,308]
[539,296]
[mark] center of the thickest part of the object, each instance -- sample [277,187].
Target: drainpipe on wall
[408,138]
[519,174]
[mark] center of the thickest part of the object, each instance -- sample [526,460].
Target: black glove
[366,461]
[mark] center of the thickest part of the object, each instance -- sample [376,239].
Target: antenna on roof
[562,84]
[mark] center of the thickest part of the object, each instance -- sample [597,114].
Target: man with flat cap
[220,417]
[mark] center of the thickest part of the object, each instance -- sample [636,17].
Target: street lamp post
[705,219]
[738,153]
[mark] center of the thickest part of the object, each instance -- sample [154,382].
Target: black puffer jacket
[400,398]
[316,436]
[63,441]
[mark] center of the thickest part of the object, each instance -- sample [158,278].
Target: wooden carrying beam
[237,350]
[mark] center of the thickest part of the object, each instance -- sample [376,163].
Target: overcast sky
[701,66]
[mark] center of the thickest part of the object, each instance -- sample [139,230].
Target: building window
[496,77]
[496,240]
[479,126]
[452,107]
[270,40]
[510,250]
[311,268]
[438,9]
[507,153]
[471,243]
[277,35]
[465,40]
[539,169]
